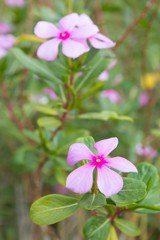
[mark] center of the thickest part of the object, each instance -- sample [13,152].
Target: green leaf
[97,87]
[145,172]
[46,110]
[48,122]
[91,201]
[127,227]
[112,234]
[35,66]
[88,141]
[60,175]
[31,135]
[96,228]
[133,191]
[104,116]
[52,208]
[92,70]
[151,204]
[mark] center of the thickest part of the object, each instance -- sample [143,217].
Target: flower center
[98,160]
[64,35]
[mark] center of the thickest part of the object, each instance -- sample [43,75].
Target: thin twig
[10,108]
[134,23]
[146,39]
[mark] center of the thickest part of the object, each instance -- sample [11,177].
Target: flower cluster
[12,3]
[108,181]
[73,31]
[6,40]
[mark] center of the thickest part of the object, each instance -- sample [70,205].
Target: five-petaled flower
[73,32]
[109,182]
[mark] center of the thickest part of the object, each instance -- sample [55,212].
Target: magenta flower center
[64,35]
[98,161]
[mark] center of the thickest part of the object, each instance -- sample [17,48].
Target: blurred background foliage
[22,141]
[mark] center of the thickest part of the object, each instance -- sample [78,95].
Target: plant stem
[94,190]
[134,23]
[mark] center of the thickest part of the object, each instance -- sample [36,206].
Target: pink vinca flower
[18,3]
[112,95]
[109,182]
[147,151]
[6,42]
[51,93]
[72,38]
[5,28]
[105,75]
[97,40]
[143,99]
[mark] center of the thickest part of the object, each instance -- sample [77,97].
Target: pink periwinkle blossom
[109,182]
[112,95]
[73,32]
[147,151]
[97,40]
[5,28]
[12,3]
[73,39]
[6,42]
[104,76]
[143,99]
[51,93]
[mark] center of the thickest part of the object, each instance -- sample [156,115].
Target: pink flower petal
[112,64]
[7,41]
[5,27]
[68,22]
[3,52]
[78,152]
[84,31]
[50,92]
[121,164]
[81,179]
[72,49]
[49,50]
[84,42]
[112,95]
[15,2]
[84,19]
[100,41]
[103,76]
[108,181]
[143,99]
[106,146]
[45,29]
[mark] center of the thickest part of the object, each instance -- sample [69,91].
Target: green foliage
[46,110]
[96,228]
[127,227]
[145,172]
[93,69]
[48,122]
[104,116]
[35,66]
[35,138]
[52,208]
[92,201]
[133,191]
